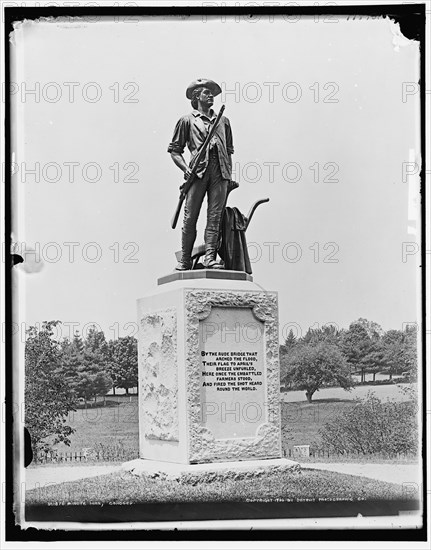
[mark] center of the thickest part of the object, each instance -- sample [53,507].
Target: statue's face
[206,97]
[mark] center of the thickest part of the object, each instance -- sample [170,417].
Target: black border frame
[412,23]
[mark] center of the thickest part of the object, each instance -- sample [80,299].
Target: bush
[386,382]
[374,426]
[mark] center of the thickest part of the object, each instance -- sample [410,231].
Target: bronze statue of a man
[213,173]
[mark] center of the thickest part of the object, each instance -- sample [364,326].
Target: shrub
[48,398]
[374,426]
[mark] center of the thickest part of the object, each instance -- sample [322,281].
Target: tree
[95,380]
[285,350]
[327,333]
[290,341]
[375,358]
[48,397]
[360,345]
[410,356]
[71,360]
[311,366]
[392,342]
[96,344]
[373,330]
[123,362]
[85,365]
[92,383]
[401,351]
[101,383]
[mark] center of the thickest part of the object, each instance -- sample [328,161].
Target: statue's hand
[187,173]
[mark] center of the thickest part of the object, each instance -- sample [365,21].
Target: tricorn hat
[205,83]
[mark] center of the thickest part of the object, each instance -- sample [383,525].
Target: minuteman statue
[213,174]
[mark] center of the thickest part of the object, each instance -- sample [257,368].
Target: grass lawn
[116,426]
[391,391]
[125,488]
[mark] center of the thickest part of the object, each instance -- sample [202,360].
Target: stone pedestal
[209,372]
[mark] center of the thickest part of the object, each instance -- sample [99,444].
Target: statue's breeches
[213,185]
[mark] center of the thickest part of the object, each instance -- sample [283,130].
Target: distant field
[305,419]
[391,391]
[117,425]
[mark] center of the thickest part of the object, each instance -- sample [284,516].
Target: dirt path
[392,473]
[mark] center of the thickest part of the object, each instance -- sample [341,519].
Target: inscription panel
[232,373]
[242,321]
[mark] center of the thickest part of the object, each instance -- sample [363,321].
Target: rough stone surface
[193,474]
[203,446]
[159,374]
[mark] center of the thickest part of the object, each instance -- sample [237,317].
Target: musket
[196,161]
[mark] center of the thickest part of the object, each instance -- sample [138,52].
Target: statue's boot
[187,242]
[211,240]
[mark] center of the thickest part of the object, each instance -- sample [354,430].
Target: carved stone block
[209,373]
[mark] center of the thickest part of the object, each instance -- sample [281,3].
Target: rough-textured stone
[193,474]
[159,375]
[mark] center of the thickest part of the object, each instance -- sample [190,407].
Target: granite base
[201,473]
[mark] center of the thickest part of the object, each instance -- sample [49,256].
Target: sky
[325,119]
